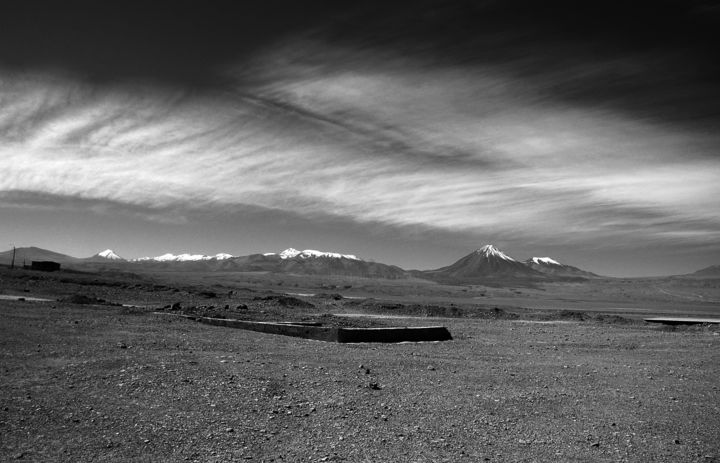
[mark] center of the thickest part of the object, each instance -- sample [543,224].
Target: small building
[45,265]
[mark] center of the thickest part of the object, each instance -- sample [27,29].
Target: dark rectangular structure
[45,265]
[332,334]
[683,320]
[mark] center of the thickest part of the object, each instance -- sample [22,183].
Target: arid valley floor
[556,372]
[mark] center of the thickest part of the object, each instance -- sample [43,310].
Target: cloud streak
[393,149]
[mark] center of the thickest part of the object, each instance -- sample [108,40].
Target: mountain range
[486,264]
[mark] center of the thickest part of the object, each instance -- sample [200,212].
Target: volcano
[483,263]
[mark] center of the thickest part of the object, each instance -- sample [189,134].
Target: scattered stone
[374,386]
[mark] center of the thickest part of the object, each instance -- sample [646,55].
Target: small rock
[176,306]
[676,441]
[229,430]
[431,368]
[595,444]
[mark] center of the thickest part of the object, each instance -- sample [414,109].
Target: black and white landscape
[540,178]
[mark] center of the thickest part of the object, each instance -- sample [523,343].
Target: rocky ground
[102,382]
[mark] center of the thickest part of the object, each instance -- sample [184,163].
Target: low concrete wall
[320,333]
[330,334]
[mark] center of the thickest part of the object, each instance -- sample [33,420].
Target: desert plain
[95,367]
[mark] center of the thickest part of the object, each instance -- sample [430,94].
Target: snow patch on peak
[544,261]
[291,253]
[490,250]
[169,257]
[109,254]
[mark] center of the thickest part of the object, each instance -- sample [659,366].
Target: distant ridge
[291,253]
[713,272]
[29,254]
[487,263]
[169,257]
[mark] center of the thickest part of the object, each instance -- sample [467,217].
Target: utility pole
[12,264]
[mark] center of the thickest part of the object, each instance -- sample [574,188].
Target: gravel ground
[106,383]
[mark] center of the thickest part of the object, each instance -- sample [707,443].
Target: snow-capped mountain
[108,254]
[542,261]
[486,262]
[313,262]
[105,257]
[291,253]
[491,252]
[550,266]
[169,257]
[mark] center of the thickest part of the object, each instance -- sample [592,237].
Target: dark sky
[587,130]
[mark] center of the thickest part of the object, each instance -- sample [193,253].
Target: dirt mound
[285,301]
[426,310]
[571,315]
[82,299]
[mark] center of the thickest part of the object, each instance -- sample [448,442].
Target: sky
[408,133]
